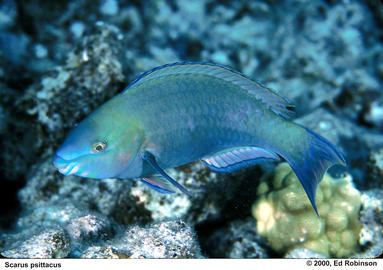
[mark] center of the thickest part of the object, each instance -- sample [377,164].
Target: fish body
[179,113]
[183,123]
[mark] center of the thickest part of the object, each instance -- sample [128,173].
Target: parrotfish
[183,112]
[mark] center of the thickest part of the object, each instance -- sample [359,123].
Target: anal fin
[237,158]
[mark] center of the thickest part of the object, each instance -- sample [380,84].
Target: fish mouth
[64,166]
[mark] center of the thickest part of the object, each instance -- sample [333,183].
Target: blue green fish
[182,112]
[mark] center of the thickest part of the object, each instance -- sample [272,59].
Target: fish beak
[64,166]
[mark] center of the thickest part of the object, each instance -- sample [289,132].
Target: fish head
[99,147]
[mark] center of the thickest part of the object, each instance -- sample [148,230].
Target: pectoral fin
[157,183]
[151,160]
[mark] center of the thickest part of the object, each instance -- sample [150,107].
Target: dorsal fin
[263,94]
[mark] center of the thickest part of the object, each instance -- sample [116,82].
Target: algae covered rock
[287,220]
[371,216]
[238,239]
[48,108]
[168,239]
[375,168]
[38,243]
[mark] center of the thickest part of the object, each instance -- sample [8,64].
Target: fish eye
[98,147]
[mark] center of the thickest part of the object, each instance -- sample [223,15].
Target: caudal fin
[310,164]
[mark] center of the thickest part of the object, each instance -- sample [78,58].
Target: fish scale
[161,123]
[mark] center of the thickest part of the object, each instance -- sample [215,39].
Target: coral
[287,220]
[303,253]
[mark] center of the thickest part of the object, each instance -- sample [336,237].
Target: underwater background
[60,60]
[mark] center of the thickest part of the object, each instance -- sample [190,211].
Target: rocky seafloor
[59,60]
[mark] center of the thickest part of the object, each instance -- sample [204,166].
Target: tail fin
[313,163]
